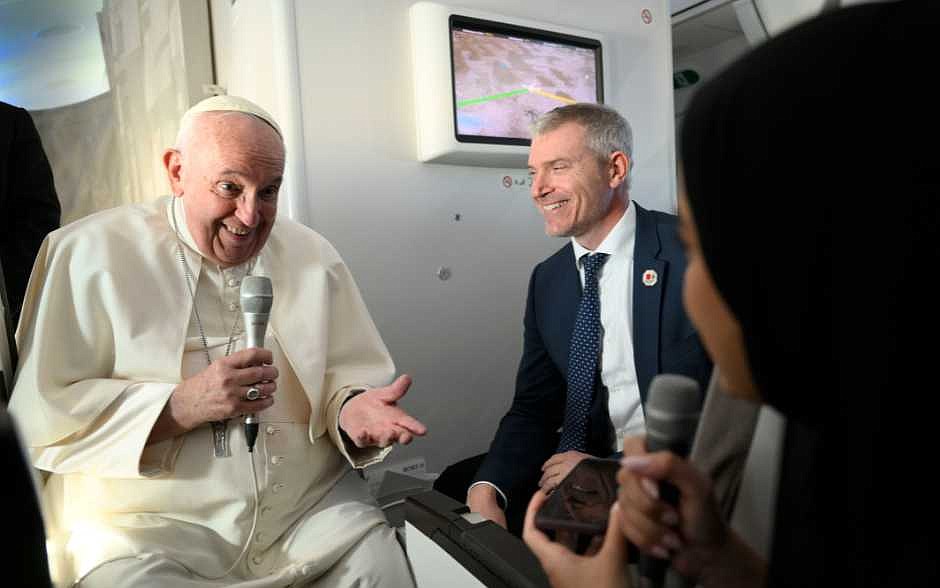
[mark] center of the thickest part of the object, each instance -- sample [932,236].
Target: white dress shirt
[615,287]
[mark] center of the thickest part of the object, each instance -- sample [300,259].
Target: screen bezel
[504,28]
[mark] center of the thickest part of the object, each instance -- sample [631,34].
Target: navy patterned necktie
[582,358]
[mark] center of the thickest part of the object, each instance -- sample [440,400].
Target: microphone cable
[254,519]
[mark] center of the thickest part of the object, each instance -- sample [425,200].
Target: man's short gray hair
[605,131]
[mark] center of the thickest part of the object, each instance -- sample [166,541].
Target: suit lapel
[647,300]
[559,307]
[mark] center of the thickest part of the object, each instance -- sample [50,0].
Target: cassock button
[233,306]
[271,430]
[232,282]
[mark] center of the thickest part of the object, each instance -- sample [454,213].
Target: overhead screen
[505,76]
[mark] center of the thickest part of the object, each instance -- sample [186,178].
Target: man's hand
[557,467]
[218,393]
[373,417]
[607,568]
[482,499]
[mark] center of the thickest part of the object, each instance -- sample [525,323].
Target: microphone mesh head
[256,294]
[672,393]
[672,410]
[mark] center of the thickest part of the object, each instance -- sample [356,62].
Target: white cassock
[108,332]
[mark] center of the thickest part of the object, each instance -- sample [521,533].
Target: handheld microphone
[256,299]
[673,406]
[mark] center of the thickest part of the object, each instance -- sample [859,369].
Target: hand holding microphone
[672,413]
[256,298]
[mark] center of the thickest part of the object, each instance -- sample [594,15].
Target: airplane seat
[448,545]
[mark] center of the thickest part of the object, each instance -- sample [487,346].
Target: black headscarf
[810,167]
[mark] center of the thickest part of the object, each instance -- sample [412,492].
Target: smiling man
[604,314]
[135,379]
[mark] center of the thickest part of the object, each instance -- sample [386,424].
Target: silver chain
[219,428]
[191,287]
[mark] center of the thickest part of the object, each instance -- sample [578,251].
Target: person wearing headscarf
[809,211]
[135,377]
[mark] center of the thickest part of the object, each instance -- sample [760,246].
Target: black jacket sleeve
[527,435]
[28,201]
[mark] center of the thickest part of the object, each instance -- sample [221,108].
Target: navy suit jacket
[664,341]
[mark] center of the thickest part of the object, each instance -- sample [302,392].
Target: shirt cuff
[500,497]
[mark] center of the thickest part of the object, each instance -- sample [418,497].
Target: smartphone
[579,507]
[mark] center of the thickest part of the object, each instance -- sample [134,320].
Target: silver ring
[253,394]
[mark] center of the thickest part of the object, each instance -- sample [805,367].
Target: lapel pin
[650,277]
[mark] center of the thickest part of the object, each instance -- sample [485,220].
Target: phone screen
[581,503]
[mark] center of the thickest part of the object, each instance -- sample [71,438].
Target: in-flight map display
[503,80]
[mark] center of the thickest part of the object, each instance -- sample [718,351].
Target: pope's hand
[374,418]
[219,391]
